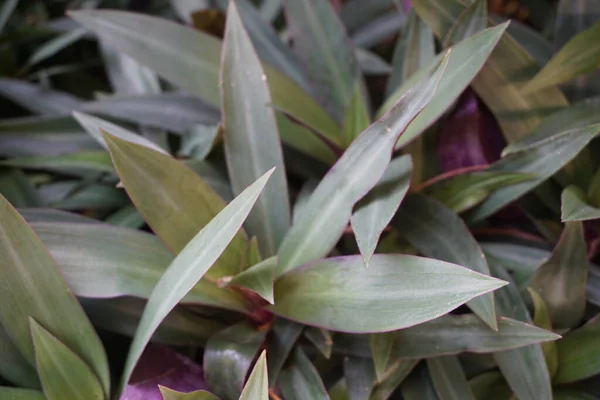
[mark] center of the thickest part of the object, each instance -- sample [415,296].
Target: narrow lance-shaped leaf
[356,118]
[257,387]
[543,160]
[189,267]
[524,368]
[179,53]
[468,57]
[381,350]
[6,11]
[46,298]
[576,207]
[561,280]
[326,52]
[419,386]
[258,278]
[439,233]
[63,374]
[414,50]
[102,261]
[300,379]
[13,366]
[360,377]
[328,211]
[375,211]
[472,20]
[321,338]
[53,46]
[393,379]
[579,353]
[541,318]
[579,56]
[20,394]
[384,295]
[500,80]
[228,356]
[175,209]
[449,379]
[281,341]
[252,144]
[37,98]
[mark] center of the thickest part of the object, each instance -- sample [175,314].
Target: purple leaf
[161,365]
[470,136]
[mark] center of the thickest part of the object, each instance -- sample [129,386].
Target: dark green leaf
[579,353]
[393,379]
[13,366]
[576,207]
[561,280]
[79,164]
[581,55]
[360,377]
[258,278]
[449,379]
[47,298]
[541,318]
[329,209]
[470,21]
[418,385]
[10,393]
[374,212]
[321,338]
[281,341]
[382,294]
[300,380]
[381,350]
[188,268]
[18,189]
[490,386]
[63,374]
[439,233]
[251,138]
[228,357]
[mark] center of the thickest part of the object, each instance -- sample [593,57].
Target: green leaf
[177,53]
[356,13]
[228,357]
[269,46]
[171,111]
[449,379]
[180,328]
[382,294]
[63,374]
[466,60]
[500,81]
[393,379]
[381,350]
[321,338]
[13,366]
[524,368]
[32,215]
[38,99]
[470,21]
[573,394]
[47,298]
[576,207]
[32,136]
[300,380]
[252,144]
[280,343]
[55,45]
[329,209]
[356,117]
[102,261]
[374,212]
[171,206]
[454,334]
[5,12]
[322,45]
[414,51]
[169,394]
[579,353]
[465,191]
[543,160]
[16,187]
[371,63]
[10,393]
[594,189]
[490,386]
[188,268]
[561,280]
[439,233]
[257,387]
[536,44]
[541,318]
[258,278]
[360,377]
[95,126]
[82,195]
[84,164]
[418,385]
[127,217]
[581,55]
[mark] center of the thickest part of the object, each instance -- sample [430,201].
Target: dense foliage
[362,199]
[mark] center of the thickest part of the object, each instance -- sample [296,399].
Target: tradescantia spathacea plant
[299,199]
